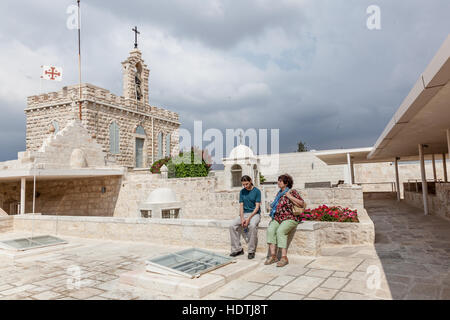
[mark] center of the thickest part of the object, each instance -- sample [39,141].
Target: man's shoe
[270,260]
[235,254]
[251,255]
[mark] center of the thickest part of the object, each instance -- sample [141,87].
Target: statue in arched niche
[138,82]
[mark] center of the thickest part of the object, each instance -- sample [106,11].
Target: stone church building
[132,133]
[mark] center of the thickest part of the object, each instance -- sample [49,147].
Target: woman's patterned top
[285,208]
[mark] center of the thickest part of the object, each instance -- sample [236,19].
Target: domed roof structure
[162,195]
[241,152]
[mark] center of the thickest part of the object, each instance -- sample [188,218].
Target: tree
[301,147]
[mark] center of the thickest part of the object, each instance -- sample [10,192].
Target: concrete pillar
[448,142]
[434,167]
[23,182]
[349,169]
[444,164]
[424,179]
[397,178]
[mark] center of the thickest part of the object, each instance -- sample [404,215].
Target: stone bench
[307,240]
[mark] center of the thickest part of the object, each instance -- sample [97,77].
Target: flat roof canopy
[423,117]
[57,174]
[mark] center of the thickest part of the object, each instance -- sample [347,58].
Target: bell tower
[135,76]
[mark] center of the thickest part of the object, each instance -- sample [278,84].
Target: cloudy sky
[311,68]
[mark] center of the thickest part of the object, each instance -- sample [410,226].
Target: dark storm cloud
[310,68]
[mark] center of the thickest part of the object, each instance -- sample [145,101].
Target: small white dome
[241,152]
[162,195]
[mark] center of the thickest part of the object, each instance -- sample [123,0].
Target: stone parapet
[307,240]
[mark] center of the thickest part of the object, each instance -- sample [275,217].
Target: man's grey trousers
[236,231]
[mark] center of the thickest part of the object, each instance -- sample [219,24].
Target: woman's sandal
[271,260]
[283,261]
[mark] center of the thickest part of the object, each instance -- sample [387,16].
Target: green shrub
[189,164]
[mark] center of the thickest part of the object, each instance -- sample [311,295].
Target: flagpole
[79,53]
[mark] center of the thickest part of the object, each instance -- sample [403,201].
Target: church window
[160,145]
[114,133]
[140,130]
[236,175]
[168,145]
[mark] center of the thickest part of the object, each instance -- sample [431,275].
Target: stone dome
[241,152]
[162,195]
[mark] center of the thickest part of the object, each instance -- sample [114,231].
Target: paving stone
[323,293]
[341,274]
[335,283]
[84,293]
[239,289]
[17,290]
[350,296]
[319,273]
[254,297]
[303,285]
[346,264]
[46,295]
[261,277]
[266,291]
[423,292]
[279,295]
[281,280]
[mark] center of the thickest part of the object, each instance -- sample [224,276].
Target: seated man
[250,216]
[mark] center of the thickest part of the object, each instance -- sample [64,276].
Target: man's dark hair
[246,178]
[287,180]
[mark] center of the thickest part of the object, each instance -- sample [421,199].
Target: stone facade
[74,197]
[46,113]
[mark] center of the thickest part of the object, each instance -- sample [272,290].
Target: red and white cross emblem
[51,73]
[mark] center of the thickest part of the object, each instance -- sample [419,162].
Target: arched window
[114,133]
[160,145]
[140,130]
[168,145]
[56,126]
[236,175]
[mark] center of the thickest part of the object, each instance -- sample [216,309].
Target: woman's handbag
[297,210]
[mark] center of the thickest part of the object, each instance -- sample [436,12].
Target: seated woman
[283,219]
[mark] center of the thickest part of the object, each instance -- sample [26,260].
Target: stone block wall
[75,197]
[307,240]
[99,109]
[303,167]
[6,224]
[438,204]
[202,199]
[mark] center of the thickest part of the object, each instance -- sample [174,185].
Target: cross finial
[136,32]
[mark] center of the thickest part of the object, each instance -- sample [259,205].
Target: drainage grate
[190,263]
[23,244]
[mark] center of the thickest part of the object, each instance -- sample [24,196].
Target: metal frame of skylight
[6,246]
[154,266]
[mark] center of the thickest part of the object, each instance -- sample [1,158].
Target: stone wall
[373,177]
[199,196]
[75,197]
[307,240]
[438,204]
[6,224]
[99,109]
[202,199]
[303,167]
[347,197]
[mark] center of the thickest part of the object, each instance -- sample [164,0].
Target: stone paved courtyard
[411,255]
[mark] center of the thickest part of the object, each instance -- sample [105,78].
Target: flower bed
[332,214]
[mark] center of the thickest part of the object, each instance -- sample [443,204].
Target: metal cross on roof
[136,32]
